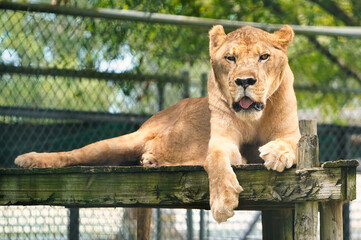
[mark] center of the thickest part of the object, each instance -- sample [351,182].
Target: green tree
[321,63]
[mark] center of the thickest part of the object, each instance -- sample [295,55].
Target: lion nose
[245,82]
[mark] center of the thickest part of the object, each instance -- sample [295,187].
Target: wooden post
[331,221]
[144,218]
[306,213]
[308,145]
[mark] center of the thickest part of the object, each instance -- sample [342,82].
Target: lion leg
[123,150]
[279,154]
[223,184]
[144,218]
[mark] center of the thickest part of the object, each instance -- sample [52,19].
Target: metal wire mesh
[35,222]
[67,81]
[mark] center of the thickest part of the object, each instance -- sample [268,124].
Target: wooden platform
[174,187]
[290,201]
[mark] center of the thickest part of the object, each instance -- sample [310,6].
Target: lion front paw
[37,160]
[277,155]
[224,192]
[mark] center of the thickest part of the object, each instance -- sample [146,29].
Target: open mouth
[247,104]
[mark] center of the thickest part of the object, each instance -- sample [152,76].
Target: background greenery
[320,63]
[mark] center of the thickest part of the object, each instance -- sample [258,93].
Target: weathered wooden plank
[350,183]
[184,187]
[349,176]
[131,169]
[306,213]
[341,163]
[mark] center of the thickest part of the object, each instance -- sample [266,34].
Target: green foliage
[49,41]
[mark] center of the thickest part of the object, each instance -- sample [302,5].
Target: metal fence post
[73,227]
[201,224]
[186,82]
[159,224]
[204,84]
[160,87]
[346,221]
[189,224]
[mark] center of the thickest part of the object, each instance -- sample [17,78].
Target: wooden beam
[171,187]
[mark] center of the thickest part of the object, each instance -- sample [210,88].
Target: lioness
[250,111]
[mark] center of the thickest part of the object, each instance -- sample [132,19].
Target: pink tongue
[245,102]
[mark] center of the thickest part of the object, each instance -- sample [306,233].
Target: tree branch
[332,8]
[277,9]
[341,64]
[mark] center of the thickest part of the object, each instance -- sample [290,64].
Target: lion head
[248,65]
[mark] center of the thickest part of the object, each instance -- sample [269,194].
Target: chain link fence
[68,80]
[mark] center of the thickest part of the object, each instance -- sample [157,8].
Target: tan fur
[209,131]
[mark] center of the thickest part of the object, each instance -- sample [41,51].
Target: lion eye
[230,58]
[264,57]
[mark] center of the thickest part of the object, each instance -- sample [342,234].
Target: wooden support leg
[306,220]
[277,224]
[331,221]
[144,217]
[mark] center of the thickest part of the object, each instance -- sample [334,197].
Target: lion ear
[284,36]
[216,37]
